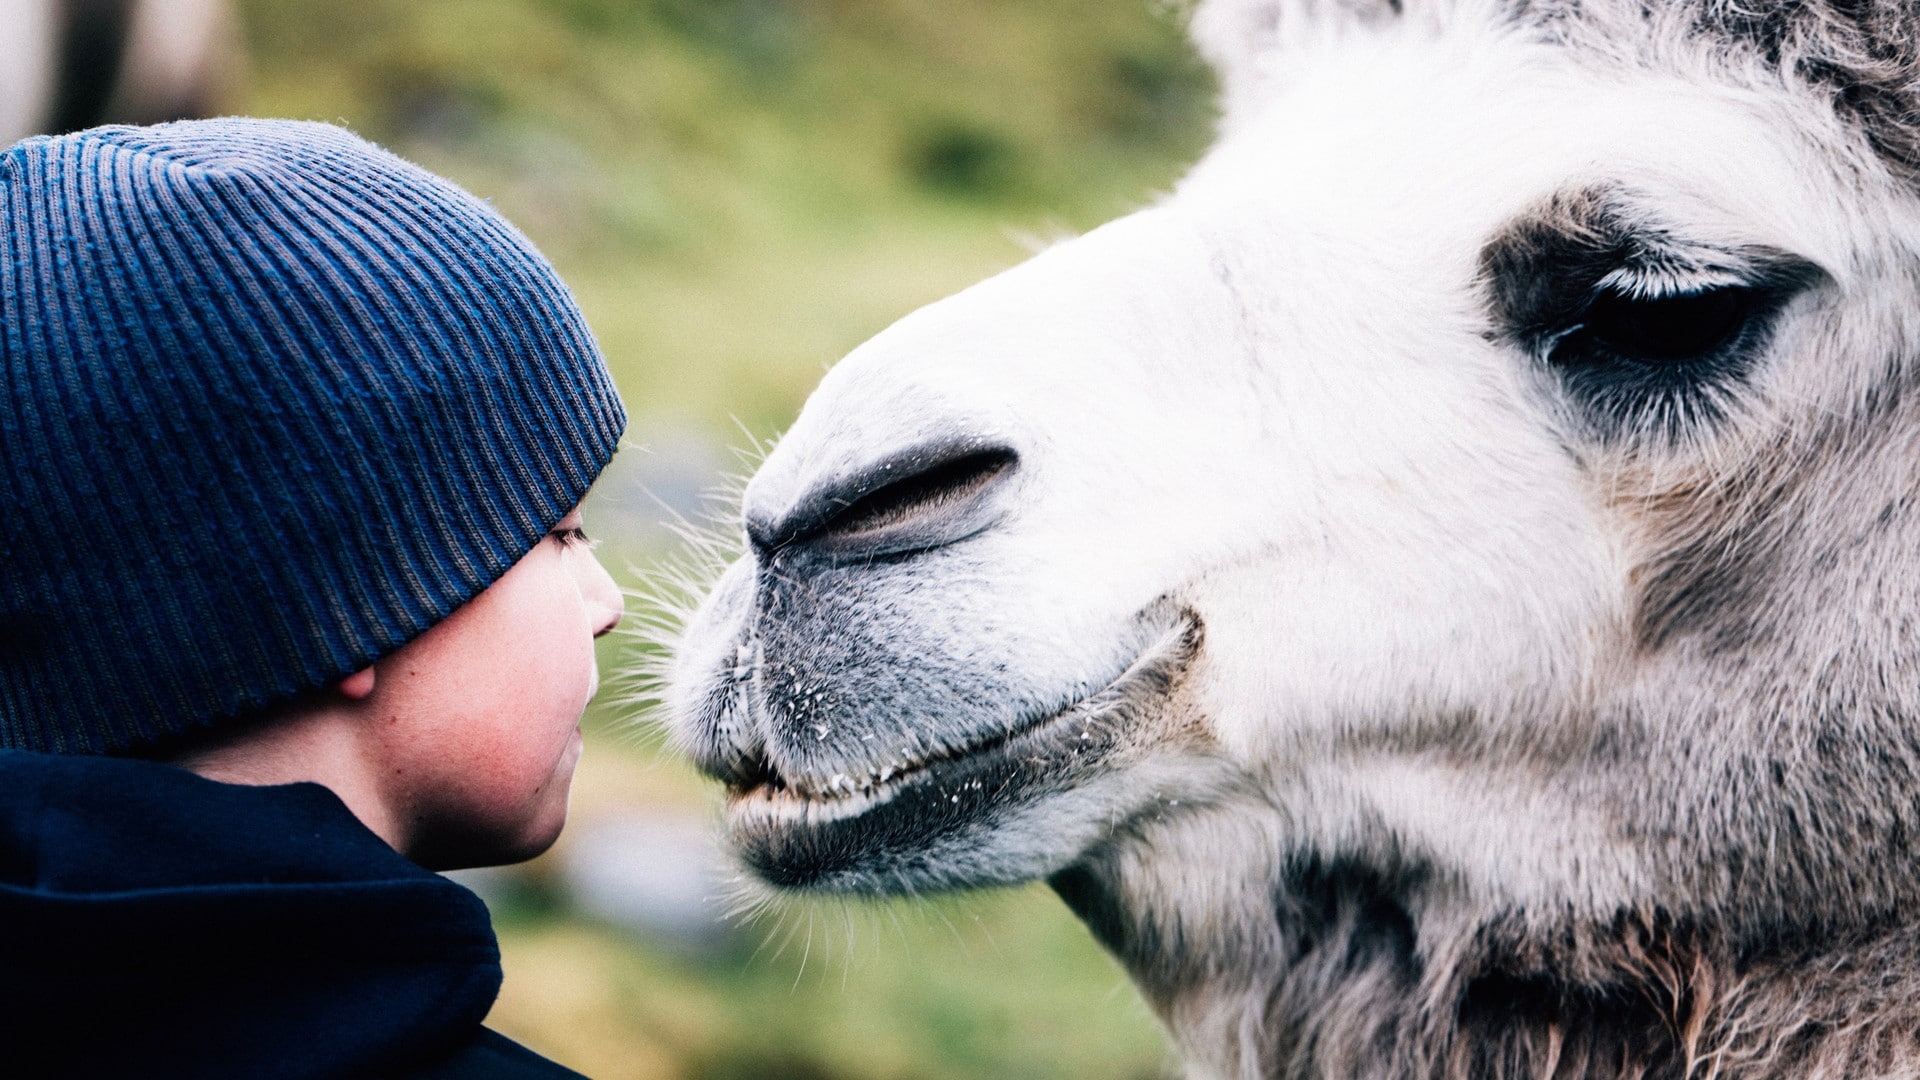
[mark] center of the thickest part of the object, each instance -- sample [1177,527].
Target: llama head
[1491,467]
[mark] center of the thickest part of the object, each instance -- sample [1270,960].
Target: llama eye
[1662,363]
[1661,330]
[1646,332]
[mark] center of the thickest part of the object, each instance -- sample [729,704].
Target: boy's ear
[359,684]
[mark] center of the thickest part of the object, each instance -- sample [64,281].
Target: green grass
[740,191]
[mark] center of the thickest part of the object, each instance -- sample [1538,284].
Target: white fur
[1276,399]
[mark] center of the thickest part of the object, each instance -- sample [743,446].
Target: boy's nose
[602,596]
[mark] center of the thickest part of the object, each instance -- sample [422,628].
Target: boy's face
[478,718]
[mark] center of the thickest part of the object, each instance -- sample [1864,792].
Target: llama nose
[926,497]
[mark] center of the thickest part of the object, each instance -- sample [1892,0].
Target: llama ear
[1246,41]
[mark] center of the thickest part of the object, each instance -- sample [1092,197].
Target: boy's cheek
[495,808]
[487,707]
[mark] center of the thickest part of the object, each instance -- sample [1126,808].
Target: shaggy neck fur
[1380,979]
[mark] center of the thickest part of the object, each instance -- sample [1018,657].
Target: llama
[1436,592]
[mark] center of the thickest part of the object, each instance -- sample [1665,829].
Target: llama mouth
[814,833]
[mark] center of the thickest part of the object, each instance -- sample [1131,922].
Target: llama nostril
[926,498]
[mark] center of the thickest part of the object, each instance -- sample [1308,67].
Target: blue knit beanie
[275,402]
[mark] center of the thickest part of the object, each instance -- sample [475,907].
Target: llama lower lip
[792,838]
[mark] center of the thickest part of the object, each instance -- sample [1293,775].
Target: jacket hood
[155,923]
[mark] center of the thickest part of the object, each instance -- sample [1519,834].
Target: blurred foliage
[998,985]
[740,191]
[743,190]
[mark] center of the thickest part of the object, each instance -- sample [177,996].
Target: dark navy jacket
[156,924]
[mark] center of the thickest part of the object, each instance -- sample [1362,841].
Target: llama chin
[1433,592]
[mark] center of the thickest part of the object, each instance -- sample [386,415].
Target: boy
[292,439]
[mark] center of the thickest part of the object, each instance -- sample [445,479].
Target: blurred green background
[740,191]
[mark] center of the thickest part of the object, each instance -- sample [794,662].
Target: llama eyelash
[1659,356]
[1646,333]
[574,538]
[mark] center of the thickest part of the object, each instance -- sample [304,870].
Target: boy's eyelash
[574,538]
